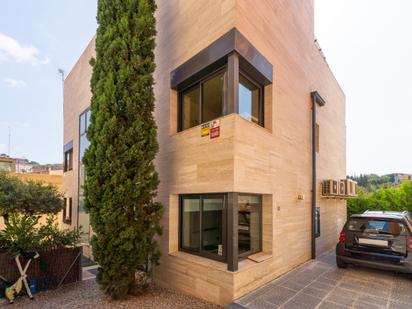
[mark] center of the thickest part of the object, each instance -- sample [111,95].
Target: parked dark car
[378,239]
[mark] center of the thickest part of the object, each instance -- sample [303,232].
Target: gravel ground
[86,294]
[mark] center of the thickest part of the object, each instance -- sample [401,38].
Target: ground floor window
[249,224]
[202,228]
[203,224]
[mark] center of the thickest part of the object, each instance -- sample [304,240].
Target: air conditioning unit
[342,188]
[330,187]
[351,187]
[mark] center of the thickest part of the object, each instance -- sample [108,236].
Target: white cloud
[13,83]
[12,49]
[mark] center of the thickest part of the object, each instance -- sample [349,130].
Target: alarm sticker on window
[214,132]
[205,129]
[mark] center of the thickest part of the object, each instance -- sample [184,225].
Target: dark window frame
[199,83]
[200,252]
[68,160]
[80,134]
[317,222]
[67,219]
[248,253]
[261,107]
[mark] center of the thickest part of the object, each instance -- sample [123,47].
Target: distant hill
[371,182]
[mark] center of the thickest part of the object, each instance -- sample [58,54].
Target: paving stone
[331,305]
[307,300]
[395,305]
[293,285]
[363,305]
[260,304]
[320,284]
[278,296]
[365,298]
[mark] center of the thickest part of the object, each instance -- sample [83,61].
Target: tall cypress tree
[121,179]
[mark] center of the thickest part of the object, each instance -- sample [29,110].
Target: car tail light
[409,243]
[342,237]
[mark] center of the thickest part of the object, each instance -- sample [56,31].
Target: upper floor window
[203,101]
[250,100]
[68,160]
[207,100]
[84,121]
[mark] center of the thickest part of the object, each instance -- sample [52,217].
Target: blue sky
[366,42]
[36,38]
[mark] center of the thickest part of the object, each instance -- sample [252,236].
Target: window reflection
[212,97]
[249,100]
[249,224]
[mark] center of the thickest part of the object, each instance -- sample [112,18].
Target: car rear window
[379,226]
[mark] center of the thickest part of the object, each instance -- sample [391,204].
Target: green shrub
[24,233]
[20,234]
[397,198]
[21,206]
[28,198]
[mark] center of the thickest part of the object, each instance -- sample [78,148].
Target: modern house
[250,121]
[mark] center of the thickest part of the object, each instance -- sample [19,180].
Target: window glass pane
[190,108]
[82,123]
[84,220]
[88,118]
[84,144]
[212,227]
[249,100]
[249,223]
[212,97]
[366,225]
[191,223]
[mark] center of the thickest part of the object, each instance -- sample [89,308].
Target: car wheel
[341,264]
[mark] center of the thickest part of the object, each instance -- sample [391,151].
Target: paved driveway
[320,284]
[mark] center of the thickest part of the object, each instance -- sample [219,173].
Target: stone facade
[274,161]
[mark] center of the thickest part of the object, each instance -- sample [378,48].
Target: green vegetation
[395,198]
[121,180]
[24,233]
[21,206]
[371,182]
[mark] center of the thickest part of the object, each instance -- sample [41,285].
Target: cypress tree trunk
[121,180]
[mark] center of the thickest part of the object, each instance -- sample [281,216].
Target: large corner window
[207,100]
[203,101]
[228,76]
[249,224]
[202,225]
[250,100]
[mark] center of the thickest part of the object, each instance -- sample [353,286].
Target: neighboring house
[7,164]
[399,178]
[23,165]
[236,84]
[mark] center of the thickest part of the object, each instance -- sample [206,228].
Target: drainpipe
[316,100]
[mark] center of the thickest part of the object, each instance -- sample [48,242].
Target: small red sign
[214,132]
